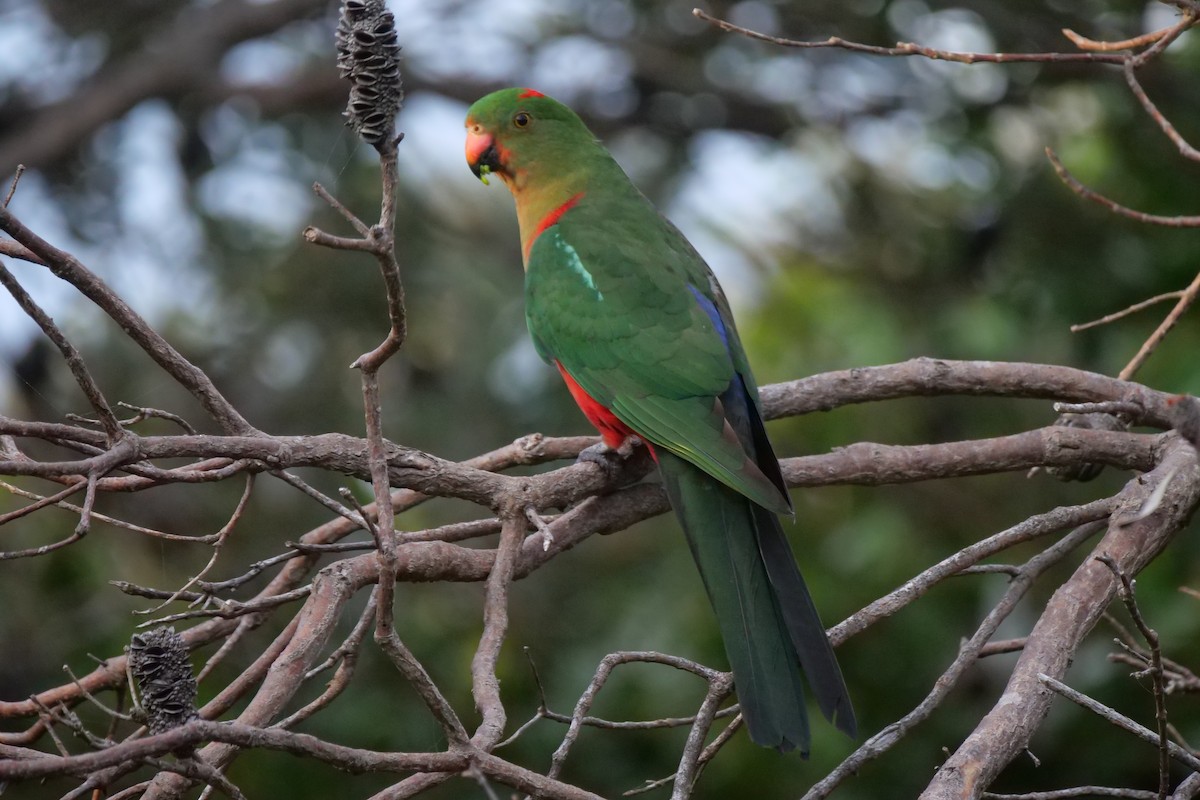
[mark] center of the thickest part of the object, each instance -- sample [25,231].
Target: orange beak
[478,141]
[482,156]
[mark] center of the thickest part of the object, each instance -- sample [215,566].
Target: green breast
[607,294]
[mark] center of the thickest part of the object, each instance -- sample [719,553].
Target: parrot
[628,312]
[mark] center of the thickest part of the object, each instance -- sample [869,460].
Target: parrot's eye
[521,119]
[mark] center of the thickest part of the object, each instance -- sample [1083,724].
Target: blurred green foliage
[872,210]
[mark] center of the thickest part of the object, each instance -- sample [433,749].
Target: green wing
[618,297]
[623,304]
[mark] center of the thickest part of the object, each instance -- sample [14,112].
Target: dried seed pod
[158,661]
[369,57]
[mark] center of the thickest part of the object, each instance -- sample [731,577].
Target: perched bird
[627,310]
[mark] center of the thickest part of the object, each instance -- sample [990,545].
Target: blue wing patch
[714,316]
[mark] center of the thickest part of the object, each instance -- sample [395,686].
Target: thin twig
[1185,149]
[39,502]
[485,684]
[1186,20]
[230,609]
[603,671]
[1002,646]
[1120,720]
[322,498]
[1126,592]
[1116,407]
[709,753]
[968,654]
[112,428]
[188,375]
[1177,221]
[1004,732]
[218,543]
[1036,526]
[1092,45]
[146,412]
[419,677]
[12,187]
[690,765]
[363,229]
[34,552]
[1107,318]
[1185,302]
[910,49]
[346,657]
[1076,791]
[352,643]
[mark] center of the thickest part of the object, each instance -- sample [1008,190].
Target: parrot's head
[521,135]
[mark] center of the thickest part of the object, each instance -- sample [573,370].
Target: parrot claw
[609,458]
[625,450]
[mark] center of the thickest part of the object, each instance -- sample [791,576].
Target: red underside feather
[612,430]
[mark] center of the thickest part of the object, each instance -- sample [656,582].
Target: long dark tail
[766,615]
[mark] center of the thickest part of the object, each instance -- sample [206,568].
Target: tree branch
[1006,730]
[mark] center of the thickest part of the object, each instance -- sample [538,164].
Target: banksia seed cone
[158,661]
[369,57]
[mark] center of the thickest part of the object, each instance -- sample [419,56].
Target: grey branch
[1005,731]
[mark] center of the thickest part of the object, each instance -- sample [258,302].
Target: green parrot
[636,323]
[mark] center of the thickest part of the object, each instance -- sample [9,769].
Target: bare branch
[935,377]
[1120,720]
[1078,791]
[39,502]
[1184,303]
[1126,312]
[346,658]
[235,734]
[1112,205]
[603,671]
[1084,43]
[1036,526]
[565,506]
[188,375]
[1126,591]
[911,49]
[485,684]
[1185,149]
[418,676]
[218,543]
[689,762]
[968,654]
[1005,731]
[870,464]
[74,360]
[12,188]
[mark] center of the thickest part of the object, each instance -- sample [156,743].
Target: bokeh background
[858,210]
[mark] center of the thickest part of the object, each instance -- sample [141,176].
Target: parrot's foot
[609,458]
